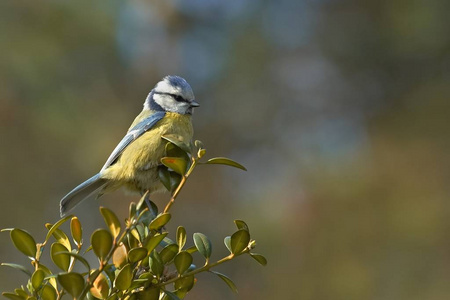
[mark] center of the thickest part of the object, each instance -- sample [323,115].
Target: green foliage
[137,260]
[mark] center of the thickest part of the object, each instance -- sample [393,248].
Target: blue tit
[134,162]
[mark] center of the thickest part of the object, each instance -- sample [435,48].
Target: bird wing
[132,134]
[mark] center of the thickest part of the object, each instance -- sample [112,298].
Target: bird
[133,164]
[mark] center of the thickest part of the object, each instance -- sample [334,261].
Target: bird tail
[92,186]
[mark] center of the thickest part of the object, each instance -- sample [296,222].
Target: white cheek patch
[170,104]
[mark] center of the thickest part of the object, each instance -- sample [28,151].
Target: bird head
[173,94]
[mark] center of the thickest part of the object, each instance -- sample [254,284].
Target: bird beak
[194,103]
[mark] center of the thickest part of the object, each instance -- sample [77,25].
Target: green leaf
[259,258]
[225,161]
[192,249]
[171,295]
[120,256]
[149,294]
[21,293]
[76,230]
[185,283]
[76,256]
[100,288]
[24,242]
[133,209]
[37,278]
[239,241]
[203,245]
[181,237]
[124,278]
[168,253]
[241,225]
[60,236]
[154,241]
[111,221]
[72,282]
[182,261]
[49,275]
[62,261]
[48,292]
[156,264]
[178,141]
[227,242]
[17,267]
[137,254]
[160,221]
[101,241]
[12,296]
[174,151]
[227,280]
[177,164]
[56,226]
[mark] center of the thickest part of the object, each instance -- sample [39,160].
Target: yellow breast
[136,168]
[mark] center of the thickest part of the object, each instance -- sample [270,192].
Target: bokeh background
[339,109]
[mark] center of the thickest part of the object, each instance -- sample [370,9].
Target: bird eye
[179,98]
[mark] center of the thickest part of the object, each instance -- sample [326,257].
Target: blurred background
[339,110]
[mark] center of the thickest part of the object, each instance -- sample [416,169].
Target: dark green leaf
[56,226]
[175,180]
[154,241]
[12,296]
[178,141]
[164,176]
[137,254]
[227,280]
[72,282]
[185,283]
[24,242]
[241,225]
[18,267]
[168,253]
[156,263]
[177,164]
[111,221]
[181,236]
[76,230]
[124,278]
[101,241]
[239,241]
[259,258]
[203,245]
[76,256]
[60,236]
[227,242]
[171,295]
[62,261]
[48,292]
[149,294]
[160,221]
[37,278]
[182,261]
[225,161]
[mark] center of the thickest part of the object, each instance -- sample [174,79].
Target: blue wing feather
[132,135]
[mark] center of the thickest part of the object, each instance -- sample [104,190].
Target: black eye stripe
[176,97]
